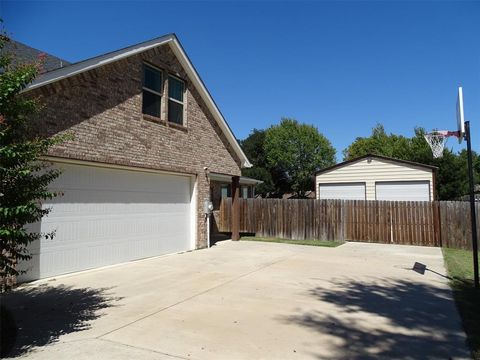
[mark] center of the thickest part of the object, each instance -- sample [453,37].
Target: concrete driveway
[247,300]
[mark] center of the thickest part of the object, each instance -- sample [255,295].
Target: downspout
[208,230]
[208,206]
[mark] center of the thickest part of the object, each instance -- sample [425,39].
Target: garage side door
[109,216]
[403,191]
[348,191]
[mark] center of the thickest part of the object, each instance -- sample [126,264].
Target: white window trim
[177,101]
[161,79]
[153,91]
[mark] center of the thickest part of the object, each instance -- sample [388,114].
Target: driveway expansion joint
[198,294]
[149,350]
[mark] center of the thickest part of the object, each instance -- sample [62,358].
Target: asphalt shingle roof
[25,53]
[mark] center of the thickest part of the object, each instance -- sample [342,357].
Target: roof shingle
[25,53]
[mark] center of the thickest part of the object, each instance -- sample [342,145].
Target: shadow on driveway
[387,319]
[42,314]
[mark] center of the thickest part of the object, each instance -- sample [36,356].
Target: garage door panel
[94,232]
[112,229]
[109,216]
[71,211]
[106,179]
[344,191]
[162,196]
[403,191]
[118,197]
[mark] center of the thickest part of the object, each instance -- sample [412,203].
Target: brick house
[148,140]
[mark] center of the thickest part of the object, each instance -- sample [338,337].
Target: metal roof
[381,157]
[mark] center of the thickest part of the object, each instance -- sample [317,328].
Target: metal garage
[375,177]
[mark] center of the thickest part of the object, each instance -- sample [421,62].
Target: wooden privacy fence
[397,222]
[455,226]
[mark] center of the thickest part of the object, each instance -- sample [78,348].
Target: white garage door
[348,191]
[108,216]
[403,191]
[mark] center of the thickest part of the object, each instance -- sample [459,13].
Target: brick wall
[102,109]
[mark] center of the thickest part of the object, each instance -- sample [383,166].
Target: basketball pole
[472,205]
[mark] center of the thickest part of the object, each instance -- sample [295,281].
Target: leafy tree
[452,174]
[379,143]
[296,151]
[253,148]
[23,178]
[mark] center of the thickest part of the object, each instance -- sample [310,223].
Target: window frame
[175,100]
[144,88]
[229,191]
[247,189]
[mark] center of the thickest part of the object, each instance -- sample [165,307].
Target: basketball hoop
[437,140]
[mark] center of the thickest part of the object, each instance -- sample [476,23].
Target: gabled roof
[379,157]
[174,43]
[25,53]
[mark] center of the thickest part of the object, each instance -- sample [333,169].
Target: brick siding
[102,108]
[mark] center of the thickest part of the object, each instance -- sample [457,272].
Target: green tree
[253,148]
[378,143]
[265,189]
[296,151]
[23,178]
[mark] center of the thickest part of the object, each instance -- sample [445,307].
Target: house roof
[25,53]
[244,180]
[373,156]
[176,47]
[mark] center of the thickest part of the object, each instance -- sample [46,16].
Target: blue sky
[341,66]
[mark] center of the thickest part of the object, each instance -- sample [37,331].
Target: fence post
[437,226]
[235,208]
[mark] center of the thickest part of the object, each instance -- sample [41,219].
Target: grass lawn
[459,265]
[296,242]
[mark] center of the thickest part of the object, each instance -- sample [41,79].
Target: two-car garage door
[108,216]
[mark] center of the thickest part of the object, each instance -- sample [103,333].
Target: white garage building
[374,177]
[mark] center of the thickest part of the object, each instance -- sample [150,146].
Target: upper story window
[176,88]
[152,91]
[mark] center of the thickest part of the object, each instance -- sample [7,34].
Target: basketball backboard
[460,115]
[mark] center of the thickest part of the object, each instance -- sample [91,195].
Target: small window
[245,192]
[225,191]
[152,91]
[176,89]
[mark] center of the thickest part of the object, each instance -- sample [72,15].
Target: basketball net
[437,140]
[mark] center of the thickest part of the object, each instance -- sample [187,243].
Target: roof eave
[385,158]
[188,65]
[101,60]
[244,180]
